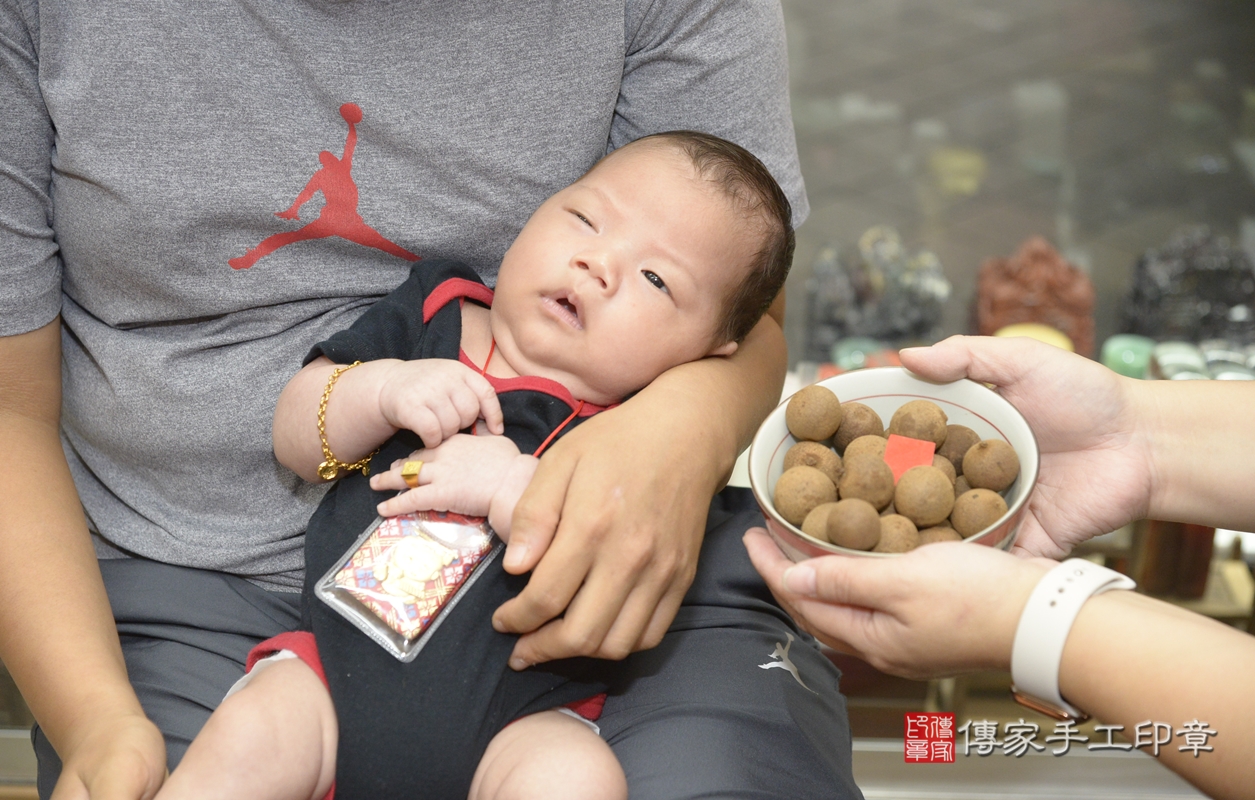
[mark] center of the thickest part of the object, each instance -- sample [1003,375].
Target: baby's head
[668,250]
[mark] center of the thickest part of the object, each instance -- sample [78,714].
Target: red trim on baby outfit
[453,289]
[535,383]
[589,708]
[301,644]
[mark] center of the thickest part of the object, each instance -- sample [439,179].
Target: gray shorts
[735,702]
[185,634]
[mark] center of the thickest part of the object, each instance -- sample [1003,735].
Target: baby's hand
[436,398]
[465,474]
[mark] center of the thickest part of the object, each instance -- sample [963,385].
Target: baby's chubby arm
[483,476]
[433,397]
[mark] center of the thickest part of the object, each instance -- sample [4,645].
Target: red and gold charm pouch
[404,574]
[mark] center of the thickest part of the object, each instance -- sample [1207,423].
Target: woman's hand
[463,475]
[1095,460]
[115,759]
[938,610]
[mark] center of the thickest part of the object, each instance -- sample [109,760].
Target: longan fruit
[961,485]
[976,510]
[816,523]
[920,419]
[942,463]
[938,534]
[857,420]
[854,524]
[897,535]
[991,464]
[867,445]
[959,439]
[887,510]
[801,489]
[924,496]
[817,455]
[813,414]
[867,478]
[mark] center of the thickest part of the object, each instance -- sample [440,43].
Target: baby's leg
[549,755]
[275,739]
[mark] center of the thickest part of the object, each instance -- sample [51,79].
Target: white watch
[1044,626]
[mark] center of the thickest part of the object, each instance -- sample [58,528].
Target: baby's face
[621,276]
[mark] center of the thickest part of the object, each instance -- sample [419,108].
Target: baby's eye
[582,218]
[653,278]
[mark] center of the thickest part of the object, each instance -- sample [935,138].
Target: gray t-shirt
[145,151]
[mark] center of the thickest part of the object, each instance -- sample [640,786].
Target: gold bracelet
[331,466]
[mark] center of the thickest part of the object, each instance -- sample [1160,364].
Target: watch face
[1046,707]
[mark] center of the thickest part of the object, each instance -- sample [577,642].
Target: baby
[668,250]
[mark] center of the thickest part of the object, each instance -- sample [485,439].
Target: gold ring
[409,472]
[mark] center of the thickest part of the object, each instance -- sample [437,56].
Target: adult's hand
[938,610]
[1096,460]
[624,497]
[613,519]
[115,759]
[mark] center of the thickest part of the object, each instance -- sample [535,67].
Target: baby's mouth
[565,310]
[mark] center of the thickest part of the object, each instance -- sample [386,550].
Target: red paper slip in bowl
[903,452]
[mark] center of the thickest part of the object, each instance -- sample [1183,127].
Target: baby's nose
[598,268]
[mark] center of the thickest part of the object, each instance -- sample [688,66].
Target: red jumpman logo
[339,215]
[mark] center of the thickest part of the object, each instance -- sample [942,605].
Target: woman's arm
[1202,435]
[950,608]
[613,520]
[57,626]
[1130,658]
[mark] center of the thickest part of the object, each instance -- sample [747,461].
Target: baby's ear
[725,349]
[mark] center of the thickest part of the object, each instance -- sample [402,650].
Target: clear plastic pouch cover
[404,574]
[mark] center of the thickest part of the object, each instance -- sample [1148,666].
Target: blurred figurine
[1197,286]
[1036,284]
[883,292]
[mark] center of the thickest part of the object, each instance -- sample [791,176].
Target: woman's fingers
[987,359]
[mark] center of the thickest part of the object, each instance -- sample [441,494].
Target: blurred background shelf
[1101,125]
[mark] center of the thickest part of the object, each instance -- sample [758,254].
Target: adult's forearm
[55,621]
[1202,437]
[724,400]
[1130,659]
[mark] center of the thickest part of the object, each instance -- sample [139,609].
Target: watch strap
[1044,626]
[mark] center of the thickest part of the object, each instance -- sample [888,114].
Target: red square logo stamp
[929,738]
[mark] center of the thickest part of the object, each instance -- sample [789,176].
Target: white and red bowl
[885,390]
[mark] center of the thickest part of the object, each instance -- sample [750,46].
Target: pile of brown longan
[837,487]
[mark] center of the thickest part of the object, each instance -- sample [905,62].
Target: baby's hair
[750,186]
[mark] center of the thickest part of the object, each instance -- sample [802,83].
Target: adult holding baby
[1113,450]
[145,152]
